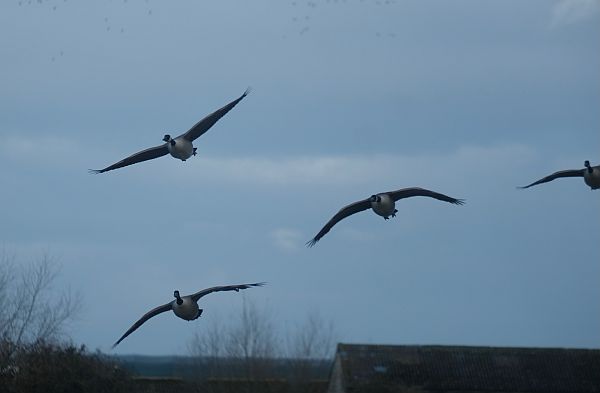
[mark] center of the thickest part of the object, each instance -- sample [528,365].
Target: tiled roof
[386,368]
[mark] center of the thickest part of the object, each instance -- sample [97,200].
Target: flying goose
[383,204]
[590,174]
[180,147]
[185,307]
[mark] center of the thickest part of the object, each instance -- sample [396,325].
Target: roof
[391,368]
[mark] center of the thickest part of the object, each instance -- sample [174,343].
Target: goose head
[588,166]
[176,295]
[375,198]
[167,138]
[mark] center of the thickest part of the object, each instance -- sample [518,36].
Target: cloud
[328,172]
[331,172]
[40,149]
[287,239]
[316,170]
[566,12]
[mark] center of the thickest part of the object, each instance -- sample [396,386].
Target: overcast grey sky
[468,98]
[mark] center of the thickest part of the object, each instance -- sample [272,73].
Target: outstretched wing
[339,216]
[556,175]
[416,191]
[144,155]
[204,125]
[236,288]
[147,316]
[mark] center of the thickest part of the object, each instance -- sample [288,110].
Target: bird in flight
[185,307]
[383,204]
[180,147]
[590,174]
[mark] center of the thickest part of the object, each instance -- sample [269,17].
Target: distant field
[188,367]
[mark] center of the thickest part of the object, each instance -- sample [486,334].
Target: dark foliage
[49,368]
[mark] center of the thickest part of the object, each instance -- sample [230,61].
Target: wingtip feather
[94,171]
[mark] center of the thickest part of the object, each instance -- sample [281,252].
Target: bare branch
[249,345]
[30,310]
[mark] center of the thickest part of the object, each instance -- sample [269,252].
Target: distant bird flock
[383,204]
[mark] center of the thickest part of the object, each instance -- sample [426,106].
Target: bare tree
[254,340]
[250,347]
[309,349]
[30,311]
[33,320]
[314,339]
[245,347]
[208,347]
[210,342]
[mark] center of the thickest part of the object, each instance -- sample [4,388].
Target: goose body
[590,175]
[188,309]
[382,204]
[181,147]
[184,307]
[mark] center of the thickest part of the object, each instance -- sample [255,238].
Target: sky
[349,98]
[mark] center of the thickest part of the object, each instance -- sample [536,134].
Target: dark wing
[203,125]
[144,155]
[416,191]
[147,316]
[556,175]
[339,216]
[236,288]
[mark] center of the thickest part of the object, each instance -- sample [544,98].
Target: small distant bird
[185,307]
[180,147]
[590,174]
[383,204]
